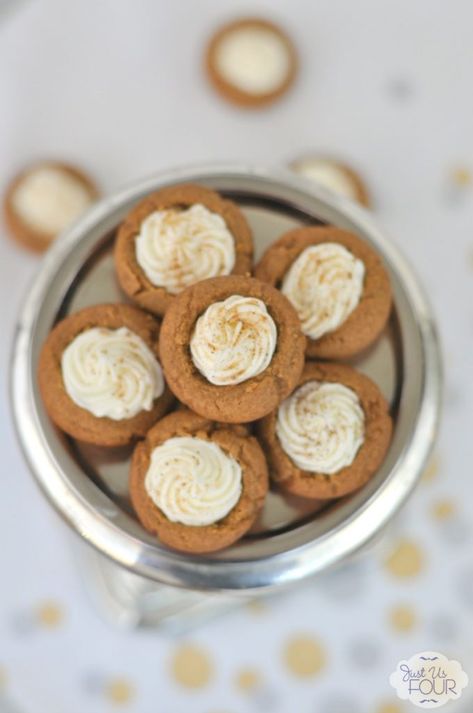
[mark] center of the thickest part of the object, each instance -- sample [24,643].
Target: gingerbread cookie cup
[113,365]
[251,62]
[268,336]
[371,310]
[351,421]
[43,200]
[156,262]
[335,175]
[241,484]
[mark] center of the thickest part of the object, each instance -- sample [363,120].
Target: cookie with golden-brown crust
[176,200]
[251,62]
[366,321]
[328,434]
[235,447]
[43,199]
[235,339]
[77,420]
[335,175]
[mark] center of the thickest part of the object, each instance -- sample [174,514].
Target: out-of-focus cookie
[100,377]
[231,348]
[196,484]
[44,199]
[337,284]
[330,436]
[251,62]
[176,237]
[335,175]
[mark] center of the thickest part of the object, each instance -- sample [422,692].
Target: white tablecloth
[118,87]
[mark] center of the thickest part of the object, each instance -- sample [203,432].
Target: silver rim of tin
[285,557]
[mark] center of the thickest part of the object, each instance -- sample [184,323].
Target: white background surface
[118,87]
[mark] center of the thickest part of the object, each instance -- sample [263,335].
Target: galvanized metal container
[88,485]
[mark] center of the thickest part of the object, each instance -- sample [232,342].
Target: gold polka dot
[304,656]
[248,679]
[432,470]
[50,615]
[443,509]
[402,618]
[406,560]
[191,667]
[389,708]
[119,691]
[256,606]
[461,176]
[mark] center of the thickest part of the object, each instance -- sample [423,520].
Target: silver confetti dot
[338,703]
[465,587]
[22,623]
[93,682]
[400,88]
[443,627]
[346,583]
[364,654]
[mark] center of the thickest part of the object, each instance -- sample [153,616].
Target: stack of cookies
[224,375]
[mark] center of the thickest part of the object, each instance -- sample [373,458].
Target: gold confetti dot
[256,606]
[402,618]
[406,560]
[443,510]
[304,656]
[431,471]
[50,615]
[389,708]
[119,691]
[191,667]
[248,679]
[461,176]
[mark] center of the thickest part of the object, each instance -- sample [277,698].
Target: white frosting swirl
[111,372]
[255,59]
[328,174]
[193,481]
[176,248]
[48,199]
[324,284]
[233,340]
[321,427]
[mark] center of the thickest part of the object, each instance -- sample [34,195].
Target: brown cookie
[79,422]
[236,402]
[251,62]
[366,322]
[336,176]
[234,442]
[43,200]
[131,276]
[377,437]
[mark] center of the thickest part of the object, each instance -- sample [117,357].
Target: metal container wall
[88,485]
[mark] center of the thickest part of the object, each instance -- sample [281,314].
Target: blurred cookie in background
[251,62]
[335,175]
[44,199]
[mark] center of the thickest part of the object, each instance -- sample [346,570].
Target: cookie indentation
[234,340]
[111,372]
[324,284]
[193,481]
[176,248]
[321,427]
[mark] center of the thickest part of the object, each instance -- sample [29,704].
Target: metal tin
[87,485]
